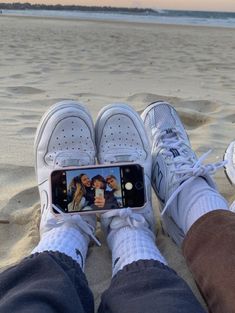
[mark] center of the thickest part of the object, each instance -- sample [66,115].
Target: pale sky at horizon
[211,5]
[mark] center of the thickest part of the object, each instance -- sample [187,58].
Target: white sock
[195,200]
[131,244]
[67,240]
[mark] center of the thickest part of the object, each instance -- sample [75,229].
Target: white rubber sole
[173,231]
[229,156]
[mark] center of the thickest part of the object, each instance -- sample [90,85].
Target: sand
[43,61]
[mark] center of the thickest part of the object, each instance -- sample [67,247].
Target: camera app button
[128,186]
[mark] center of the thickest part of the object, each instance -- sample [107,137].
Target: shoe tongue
[164,133]
[170,134]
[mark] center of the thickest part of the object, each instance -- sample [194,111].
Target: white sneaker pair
[66,136]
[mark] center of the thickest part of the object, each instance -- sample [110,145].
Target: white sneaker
[64,137]
[174,162]
[229,157]
[232,207]
[121,137]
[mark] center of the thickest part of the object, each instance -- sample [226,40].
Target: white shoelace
[134,220]
[77,221]
[185,167]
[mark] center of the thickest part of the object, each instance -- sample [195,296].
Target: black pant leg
[48,282]
[148,287]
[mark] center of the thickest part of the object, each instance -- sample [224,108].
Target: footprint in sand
[21,234]
[193,119]
[24,199]
[190,112]
[202,106]
[145,98]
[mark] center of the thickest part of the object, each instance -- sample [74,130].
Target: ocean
[213,19]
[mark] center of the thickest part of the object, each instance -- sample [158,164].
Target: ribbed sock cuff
[203,205]
[67,240]
[130,244]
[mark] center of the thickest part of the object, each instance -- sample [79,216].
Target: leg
[48,282]
[191,206]
[141,280]
[209,250]
[65,137]
[148,286]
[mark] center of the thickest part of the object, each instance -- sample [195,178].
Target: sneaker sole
[227,157]
[172,229]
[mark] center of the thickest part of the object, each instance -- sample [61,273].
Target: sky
[204,5]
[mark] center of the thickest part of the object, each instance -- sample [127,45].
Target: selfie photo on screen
[94,189]
[98,188]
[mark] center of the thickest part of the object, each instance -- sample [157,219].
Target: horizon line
[111,7]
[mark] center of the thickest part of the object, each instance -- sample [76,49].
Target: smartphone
[98,188]
[99,193]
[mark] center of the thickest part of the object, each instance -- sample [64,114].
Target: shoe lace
[127,217]
[77,221]
[185,168]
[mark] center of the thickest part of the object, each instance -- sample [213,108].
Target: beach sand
[43,61]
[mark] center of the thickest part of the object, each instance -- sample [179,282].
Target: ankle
[132,244]
[197,199]
[66,240]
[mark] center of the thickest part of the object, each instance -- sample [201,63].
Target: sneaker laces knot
[200,169]
[126,218]
[190,172]
[77,221]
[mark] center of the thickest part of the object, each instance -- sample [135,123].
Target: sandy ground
[43,61]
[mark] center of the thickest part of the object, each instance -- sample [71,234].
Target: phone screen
[98,188]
